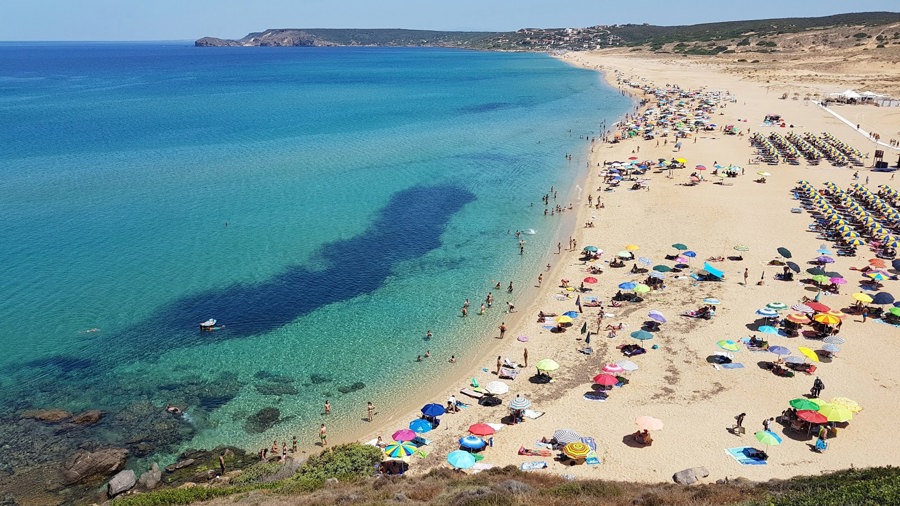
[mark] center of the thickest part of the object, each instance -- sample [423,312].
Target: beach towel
[496,426]
[740,454]
[509,363]
[421,441]
[596,396]
[373,442]
[733,365]
[592,459]
[543,445]
[590,442]
[471,393]
[531,466]
[421,453]
[530,413]
[508,373]
[481,467]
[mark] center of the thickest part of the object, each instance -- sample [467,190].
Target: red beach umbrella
[811,416]
[607,380]
[481,429]
[590,280]
[818,307]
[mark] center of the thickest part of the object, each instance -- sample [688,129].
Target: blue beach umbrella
[472,442]
[571,314]
[768,313]
[689,254]
[628,285]
[779,350]
[768,329]
[400,449]
[433,410]
[461,459]
[420,425]
[712,301]
[641,335]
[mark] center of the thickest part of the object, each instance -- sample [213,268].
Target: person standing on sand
[739,422]
[746,275]
[370,411]
[323,435]
[510,307]
[499,365]
[540,279]
[525,356]
[502,328]
[481,311]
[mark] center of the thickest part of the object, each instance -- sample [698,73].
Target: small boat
[208,325]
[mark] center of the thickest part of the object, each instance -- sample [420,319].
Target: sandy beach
[696,401]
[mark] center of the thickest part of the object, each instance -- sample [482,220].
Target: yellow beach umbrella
[547,364]
[826,318]
[847,403]
[862,297]
[808,353]
[681,160]
[836,412]
[632,247]
[564,319]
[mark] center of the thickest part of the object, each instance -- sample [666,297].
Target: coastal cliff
[269,38]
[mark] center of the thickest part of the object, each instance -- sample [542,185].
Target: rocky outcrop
[150,479]
[121,482]
[47,415]
[88,417]
[690,476]
[84,466]
[282,37]
[262,420]
[215,42]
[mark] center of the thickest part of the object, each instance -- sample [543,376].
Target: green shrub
[345,461]
[176,496]
[256,472]
[588,488]
[861,35]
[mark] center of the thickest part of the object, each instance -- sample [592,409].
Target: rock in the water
[88,417]
[84,465]
[121,482]
[47,415]
[150,479]
[180,465]
[346,389]
[690,476]
[262,421]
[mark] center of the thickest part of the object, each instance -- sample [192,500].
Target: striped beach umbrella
[577,450]
[566,436]
[397,449]
[519,403]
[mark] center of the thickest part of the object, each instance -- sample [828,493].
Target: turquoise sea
[326,205]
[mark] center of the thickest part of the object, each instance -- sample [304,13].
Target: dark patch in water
[359,385]
[66,364]
[488,107]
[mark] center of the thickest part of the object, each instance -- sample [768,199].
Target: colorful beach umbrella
[802,403]
[826,319]
[606,380]
[472,442]
[519,403]
[766,312]
[404,435]
[797,318]
[768,438]
[420,425]
[850,404]
[808,353]
[811,416]
[777,306]
[613,368]
[818,306]
[768,329]
[641,335]
[481,429]
[566,436]
[641,288]
[563,319]
[836,412]
[728,344]
[577,450]
[398,449]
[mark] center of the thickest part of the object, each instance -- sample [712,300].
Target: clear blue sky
[22,20]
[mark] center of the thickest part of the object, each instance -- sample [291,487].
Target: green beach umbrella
[679,246]
[768,438]
[642,288]
[802,403]
[641,335]
[728,344]
[547,364]
[777,306]
[894,311]
[662,268]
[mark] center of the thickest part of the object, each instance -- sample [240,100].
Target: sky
[121,20]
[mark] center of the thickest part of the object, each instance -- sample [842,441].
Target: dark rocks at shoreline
[203,465]
[123,481]
[275,384]
[262,420]
[150,479]
[89,417]
[46,415]
[86,466]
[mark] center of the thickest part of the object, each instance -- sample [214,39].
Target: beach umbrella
[811,416]
[627,365]
[855,241]
[847,403]
[461,459]
[590,249]
[728,344]
[481,429]
[628,285]
[472,442]
[877,276]
[793,266]
[768,313]
[742,247]
[833,340]
[712,301]
[522,339]
[547,364]
[658,275]
[613,368]
[496,388]
[632,247]
[657,316]
[644,260]
[820,278]
[877,263]
[577,450]
[648,423]
[826,319]
[641,288]
[894,311]
[662,268]
[862,297]
[641,335]
[690,254]
[836,412]
[895,264]
[624,254]
[824,259]
[420,425]
[797,318]
[803,404]
[777,306]
[566,436]
[768,329]
[433,410]
[786,253]
[779,350]
[400,449]
[606,380]
[563,319]
[808,353]
[831,348]
[838,281]
[818,306]
[404,435]
[590,280]
[793,359]
[882,298]
[519,403]
[571,314]
[679,246]
[768,438]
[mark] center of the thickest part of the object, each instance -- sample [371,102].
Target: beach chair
[471,393]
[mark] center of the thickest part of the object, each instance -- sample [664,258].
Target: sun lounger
[531,466]
[507,373]
[530,413]
[471,393]
[509,363]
